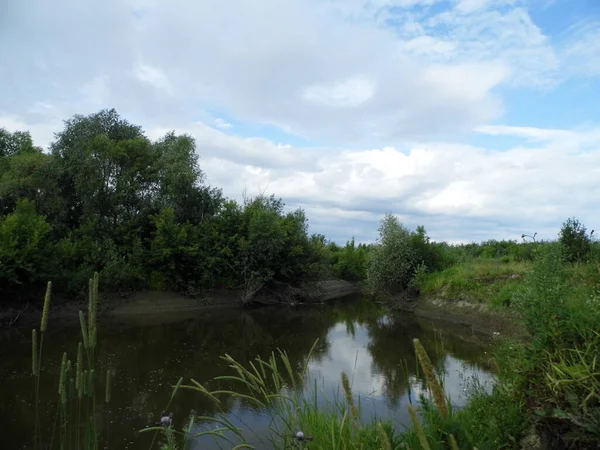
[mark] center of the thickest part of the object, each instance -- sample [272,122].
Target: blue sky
[476,118]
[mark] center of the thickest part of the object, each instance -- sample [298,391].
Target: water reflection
[357,337]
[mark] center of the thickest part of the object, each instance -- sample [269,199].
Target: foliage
[401,257]
[24,246]
[394,261]
[575,240]
[108,199]
[349,262]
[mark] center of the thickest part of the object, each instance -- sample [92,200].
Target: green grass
[490,281]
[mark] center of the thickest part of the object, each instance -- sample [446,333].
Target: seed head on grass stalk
[350,398]
[107,393]
[84,330]
[83,384]
[92,307]
[90,388]
[452,441]
[432,380]
[79,367]
[46,310]
[383,437]
[63,374]
[34,353]
[418,428]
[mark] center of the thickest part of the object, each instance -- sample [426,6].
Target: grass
[75,423]
[490,281]
[273,385]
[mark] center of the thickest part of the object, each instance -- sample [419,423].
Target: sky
[479,119]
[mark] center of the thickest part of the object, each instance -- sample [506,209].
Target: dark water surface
[374,348]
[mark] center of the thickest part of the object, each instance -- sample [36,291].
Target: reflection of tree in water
[392,350]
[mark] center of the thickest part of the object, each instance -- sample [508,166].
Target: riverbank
[168,306]
[477,295]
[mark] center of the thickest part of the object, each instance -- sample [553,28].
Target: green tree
[25,249]
[575,240]
[394,260]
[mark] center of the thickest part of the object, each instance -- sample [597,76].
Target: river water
[371,345]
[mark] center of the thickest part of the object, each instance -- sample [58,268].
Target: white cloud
[153,76]
[379,82]
[348,93]
[458,192]
[222,123]
[300,65]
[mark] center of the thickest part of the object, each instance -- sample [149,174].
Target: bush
[394,260]
[575,241]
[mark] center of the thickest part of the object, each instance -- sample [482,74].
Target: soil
[161,307]
[478,317]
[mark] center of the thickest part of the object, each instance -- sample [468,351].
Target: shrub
[575,240]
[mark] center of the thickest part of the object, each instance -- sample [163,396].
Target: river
[371,345]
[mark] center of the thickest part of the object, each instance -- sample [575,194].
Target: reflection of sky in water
[349,352]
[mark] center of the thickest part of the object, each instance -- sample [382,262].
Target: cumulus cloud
[301,65]
[459,192]
[385,87]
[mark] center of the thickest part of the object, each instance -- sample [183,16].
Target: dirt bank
[477,317]
[165,306]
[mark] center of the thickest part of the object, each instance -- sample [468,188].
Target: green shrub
[575,240]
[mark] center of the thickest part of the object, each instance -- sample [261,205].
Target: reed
[418,428]
[432,379]
[76,404]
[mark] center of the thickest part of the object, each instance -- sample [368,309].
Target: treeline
[108,199]
[402,257]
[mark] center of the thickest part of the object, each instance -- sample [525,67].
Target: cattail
[383,437]
[34,353]
[453,444]
[46,310]
[418,428]
[84,330]
[432,380]
[350,398]
[108,388]
[79,367]
[90,388]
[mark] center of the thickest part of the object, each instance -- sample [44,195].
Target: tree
[575,240]
[394,260]
[25,249]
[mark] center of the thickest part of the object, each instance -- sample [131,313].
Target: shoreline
[477,317]
[167,306]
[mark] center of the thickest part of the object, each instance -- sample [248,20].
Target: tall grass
[295,404]
[75,424]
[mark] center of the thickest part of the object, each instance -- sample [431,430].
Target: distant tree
[575,241]
[395,259]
